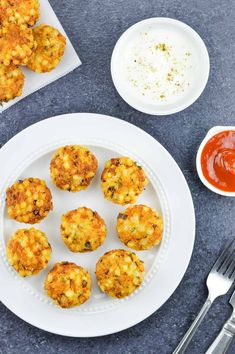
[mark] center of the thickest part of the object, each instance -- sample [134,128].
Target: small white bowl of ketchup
[216,160]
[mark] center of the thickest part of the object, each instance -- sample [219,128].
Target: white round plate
[174,31]
[28,155]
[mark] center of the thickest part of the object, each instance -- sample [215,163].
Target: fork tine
[230,273]
[224,267]
[223,256]
[233,275]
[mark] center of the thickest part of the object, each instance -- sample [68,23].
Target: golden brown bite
[119,273]
[140,227]
[73,168]
[29,200]
[28,251]
[50,49]
[16,44]
[83,230]
[123,180]
[68,284]
[11,82]
[19,11]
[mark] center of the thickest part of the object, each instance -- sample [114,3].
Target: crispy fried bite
[50,49]
[73,167]
[28,251]
[11,82]
[68,284]
[122,180]
[139,227]
[119,273]
[16,44]
[29,200]
[19,12]
[83,230]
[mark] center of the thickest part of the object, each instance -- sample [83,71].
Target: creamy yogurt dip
[158,66]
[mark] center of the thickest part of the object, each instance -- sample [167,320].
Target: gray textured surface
[94,26]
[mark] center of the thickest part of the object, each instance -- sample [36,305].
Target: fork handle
[224,338]
[194,326]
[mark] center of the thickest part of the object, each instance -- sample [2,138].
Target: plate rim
[190,245]
[167,111]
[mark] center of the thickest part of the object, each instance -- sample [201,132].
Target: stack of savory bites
[40,48]
[119,272]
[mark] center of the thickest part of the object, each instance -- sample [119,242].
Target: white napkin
[69,62]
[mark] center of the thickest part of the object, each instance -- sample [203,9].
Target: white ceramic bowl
[213,131]
[199,74]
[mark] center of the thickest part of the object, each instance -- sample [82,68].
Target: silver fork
[218,283]
[225,337]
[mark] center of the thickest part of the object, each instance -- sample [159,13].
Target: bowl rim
[211,132]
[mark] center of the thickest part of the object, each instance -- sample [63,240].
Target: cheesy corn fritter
[119,273]
[73,167]
[29,200]
[68,284]
[50,49]
[19,11]
[122,180]
[83,230]
[28,251]
[16,44]
[11,82]
[139,227]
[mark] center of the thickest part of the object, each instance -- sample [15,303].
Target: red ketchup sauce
[218,161]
